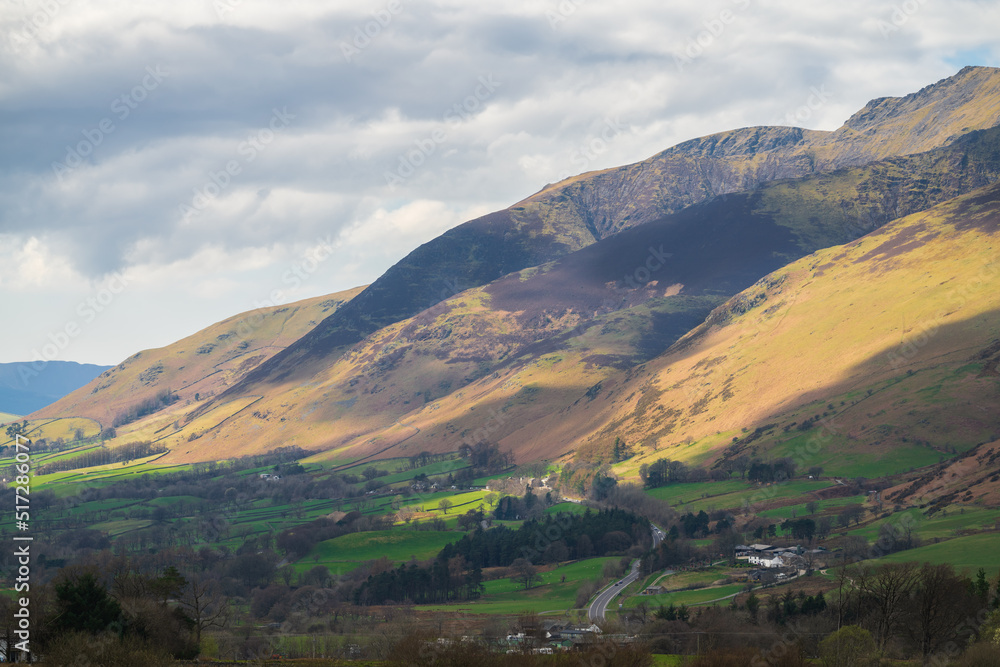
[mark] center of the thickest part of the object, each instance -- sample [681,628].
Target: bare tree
[524,572]
[204,603]
[886,589]
[940,597]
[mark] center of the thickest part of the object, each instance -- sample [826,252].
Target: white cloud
[232,62]
[30,265]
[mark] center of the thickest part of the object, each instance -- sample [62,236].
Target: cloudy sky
[167,164]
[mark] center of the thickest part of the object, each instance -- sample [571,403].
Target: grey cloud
[225,79]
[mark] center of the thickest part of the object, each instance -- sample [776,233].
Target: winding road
[600,604]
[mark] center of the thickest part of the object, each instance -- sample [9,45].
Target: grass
[689,598]
[6,418]
[52,457]
[431,470]
[802,511]
[676,494]
[944,524]
[503,596]
[462,501]
[683,579]
[898,459]
[965,553]
[755,495]
[116,528]
[345,553]
[566,508]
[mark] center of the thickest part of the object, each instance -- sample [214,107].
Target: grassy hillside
[203,364]
[867,358]
[524,358]
[575,213]
[566,356]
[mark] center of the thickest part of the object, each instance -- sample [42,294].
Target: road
[600,604]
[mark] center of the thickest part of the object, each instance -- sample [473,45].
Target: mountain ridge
[582,310]
[564,217]
[202,364]
[528,358]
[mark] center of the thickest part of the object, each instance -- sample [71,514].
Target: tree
[491,500]
[16,429]
[523,572]
[602,486]
[753,605]
[940,597]
[84,605]
[445,505]
[850,646]
[855,548]
[989,632]
[981,586]
[205,605]
[802,529]
[726,544]
[886,590]
[851,513]
[741,464]
[823,527]
[168,585]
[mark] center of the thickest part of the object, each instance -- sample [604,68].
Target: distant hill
[579,211]
[197,367]
[29,386]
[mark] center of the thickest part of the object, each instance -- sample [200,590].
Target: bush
[850,646]
[983,654]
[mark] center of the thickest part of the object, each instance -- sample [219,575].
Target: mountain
[570,215]
[29,386]
[197,367]
[876,356]
[642,289]
[556,338]
[866,359]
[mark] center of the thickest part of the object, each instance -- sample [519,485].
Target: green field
[116,528]
[706,577]
[566,508]
[343,554]
[431,470]
[950,522]
[462,501]
[51,457]
[690,598]
[677,494]
[900,458]
[755,496]
[823,507]
[552,594]
[965,553]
